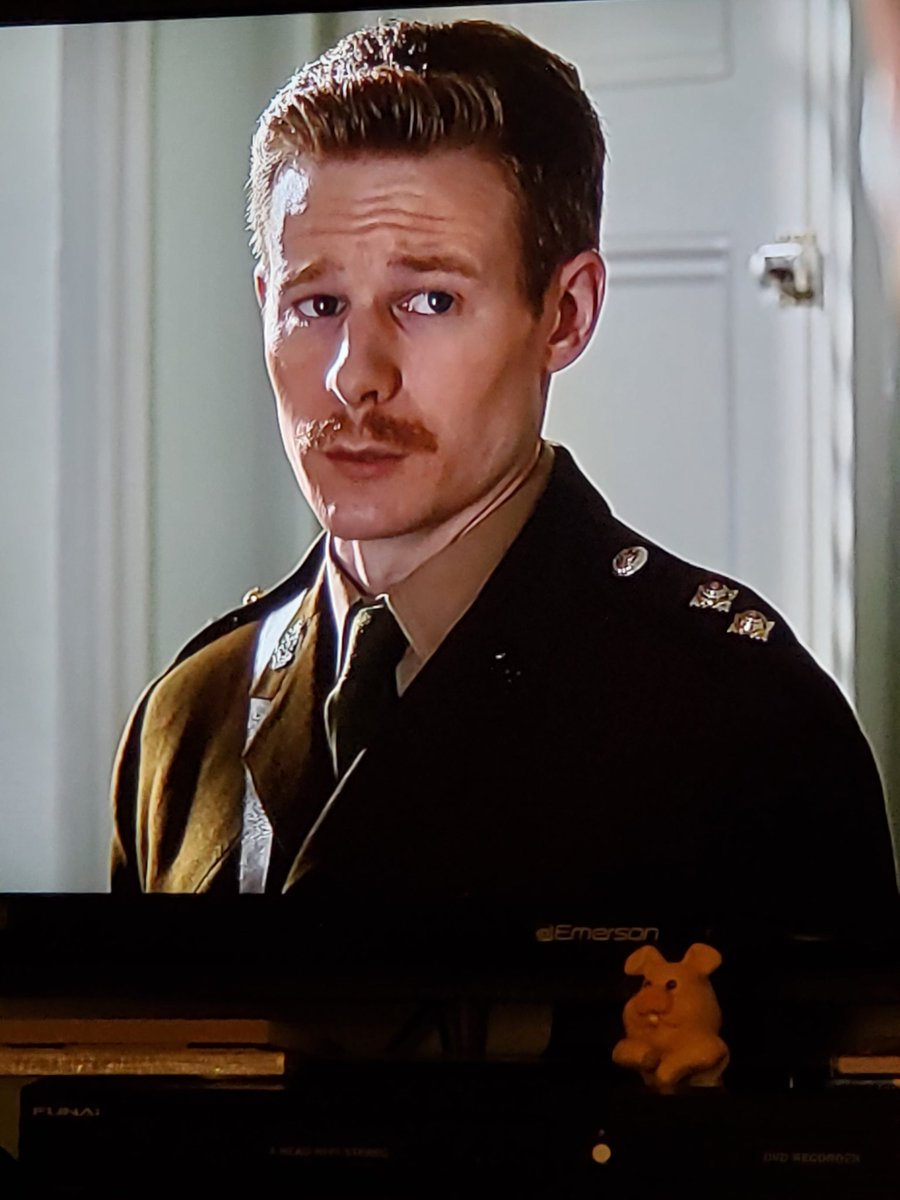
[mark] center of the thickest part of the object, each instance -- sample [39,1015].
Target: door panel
[692,408]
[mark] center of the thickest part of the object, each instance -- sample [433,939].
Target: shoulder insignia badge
[283,654]
[752,624]
[715,595]
[255,593]
[629,561]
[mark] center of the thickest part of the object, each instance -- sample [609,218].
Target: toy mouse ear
[637,962]
[702,958]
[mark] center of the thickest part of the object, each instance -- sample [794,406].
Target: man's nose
[365,369]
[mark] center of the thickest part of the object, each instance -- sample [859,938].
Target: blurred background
[143,489]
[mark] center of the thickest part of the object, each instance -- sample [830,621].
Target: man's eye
[429,304]
[319,306]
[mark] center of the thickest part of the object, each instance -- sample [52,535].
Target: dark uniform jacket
[581,734]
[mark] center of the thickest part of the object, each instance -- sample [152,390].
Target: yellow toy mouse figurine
[672,1022]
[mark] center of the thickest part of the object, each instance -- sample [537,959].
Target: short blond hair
[409,87]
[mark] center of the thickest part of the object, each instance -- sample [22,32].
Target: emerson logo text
[597,933]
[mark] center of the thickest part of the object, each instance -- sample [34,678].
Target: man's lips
[362,464]
[363,454]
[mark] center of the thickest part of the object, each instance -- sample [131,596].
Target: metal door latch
[793,267]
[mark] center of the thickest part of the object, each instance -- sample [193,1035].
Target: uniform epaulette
[683,588]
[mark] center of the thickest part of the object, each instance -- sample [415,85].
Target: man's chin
[373,528]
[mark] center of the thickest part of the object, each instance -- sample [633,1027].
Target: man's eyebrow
[447,264]
[422,264]
[308,274]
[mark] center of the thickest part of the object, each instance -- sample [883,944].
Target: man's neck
[376,566]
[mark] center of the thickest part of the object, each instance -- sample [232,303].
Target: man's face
[408,368]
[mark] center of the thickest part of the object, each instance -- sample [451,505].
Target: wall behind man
[30,88]
[144,488]
[226,514]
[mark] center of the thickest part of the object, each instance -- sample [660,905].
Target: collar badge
[283,654]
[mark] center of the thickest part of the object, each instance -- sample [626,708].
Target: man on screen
[478,682]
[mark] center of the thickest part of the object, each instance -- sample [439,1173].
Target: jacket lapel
[367,812]
[287,754]
[192,786]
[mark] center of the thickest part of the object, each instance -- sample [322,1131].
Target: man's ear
[577,297]
[260,284]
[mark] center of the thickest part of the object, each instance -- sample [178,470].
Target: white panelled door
[713,420]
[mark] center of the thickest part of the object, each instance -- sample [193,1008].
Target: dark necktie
[365,694]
